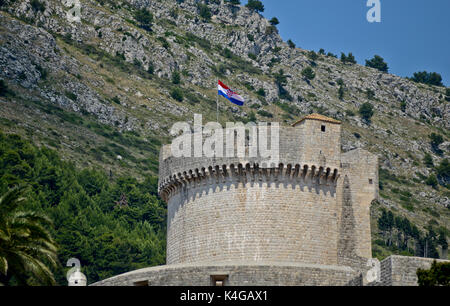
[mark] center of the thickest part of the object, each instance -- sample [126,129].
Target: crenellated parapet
[308,205]
[249,172]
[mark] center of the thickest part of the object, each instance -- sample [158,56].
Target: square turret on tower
[321,140]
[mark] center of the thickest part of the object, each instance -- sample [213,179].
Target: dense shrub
[3,88]
[274,21]
[348,58]
[255,5]
[291,44]
[144,18]
[271,30]
[443,171]
[233,2]
[204,11]
[377,62]
[432,181]
[111,226]
[436,140]
[265,113]
[366,111]
[308,73]
[429,78]
[177,94]
[176,78]
[37,5]
[437,275]
[261,92]
[341,92]
[428,160]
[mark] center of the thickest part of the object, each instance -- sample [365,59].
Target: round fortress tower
[233,209]
[300,217]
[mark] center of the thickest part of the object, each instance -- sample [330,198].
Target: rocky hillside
[104,91]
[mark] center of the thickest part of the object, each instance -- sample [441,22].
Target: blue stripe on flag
[237,102]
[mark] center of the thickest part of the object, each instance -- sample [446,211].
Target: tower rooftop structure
[317,117]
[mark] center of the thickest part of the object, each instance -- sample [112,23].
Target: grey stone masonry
[297,210]
[238,274]
[402,270]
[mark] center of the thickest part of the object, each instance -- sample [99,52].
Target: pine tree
[377,62]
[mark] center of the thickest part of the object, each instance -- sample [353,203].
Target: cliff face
[106,86]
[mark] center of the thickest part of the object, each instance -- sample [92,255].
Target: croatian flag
[229,94]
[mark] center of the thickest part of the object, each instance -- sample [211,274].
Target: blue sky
[414,35]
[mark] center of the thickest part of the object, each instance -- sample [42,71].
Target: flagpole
[217,104]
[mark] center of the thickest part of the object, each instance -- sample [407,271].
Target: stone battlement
[310,207]
[243,173]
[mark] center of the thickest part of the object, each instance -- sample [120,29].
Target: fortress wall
[238,274]
[290,220]
[304,145]
[402,270]
[359,179]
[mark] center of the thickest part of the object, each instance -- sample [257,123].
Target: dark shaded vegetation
[111,225]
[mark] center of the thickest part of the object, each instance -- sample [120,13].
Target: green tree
[3,88]
[341,92]
[204,11]
[366,111]
[442,241]
[252,117]
[348,58]
[90,222]
[255,6]
[274,21]
[261,92]
[386,224]
[377,62]
[151,68]
[176,78]
[36,5]
[280,78]
[177,94]
[436,140]
[437,275]
[281,81]
[428,160]
[26,247]
[432,181]
[429,78]
[308,73]
[313,55]
[291,44]
[144,18]
[443,171]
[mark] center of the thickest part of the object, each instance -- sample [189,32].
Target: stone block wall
[359,187]
[238,274]
[269,219]
[311,207]
[402,270]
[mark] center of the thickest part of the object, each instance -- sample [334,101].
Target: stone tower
[240,221]
[312,207]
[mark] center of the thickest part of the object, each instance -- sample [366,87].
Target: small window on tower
[323,128]
[219,280]
[370,181]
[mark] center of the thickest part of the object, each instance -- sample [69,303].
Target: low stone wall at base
[402,270]
[238,274]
